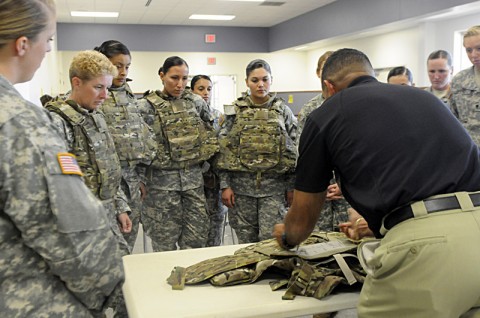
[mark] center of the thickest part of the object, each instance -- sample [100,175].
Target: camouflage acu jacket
[446,95]
[59,256]
[309,107]
[465,102]
[309,271]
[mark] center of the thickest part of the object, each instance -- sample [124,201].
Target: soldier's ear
[76,81]
[329,89]
[21,45]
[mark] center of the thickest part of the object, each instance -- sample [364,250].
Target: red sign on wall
[210,38]
[211,60]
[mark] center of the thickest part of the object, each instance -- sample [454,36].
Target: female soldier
[59,256]
[86,134]
[202,86]
[465,100]
[257,157]
[134,140]
[400,75]
[174,210]
[440,70]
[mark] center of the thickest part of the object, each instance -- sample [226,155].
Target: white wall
[294,70]
[409,47]
[45,80]
[288,68]
[386,50]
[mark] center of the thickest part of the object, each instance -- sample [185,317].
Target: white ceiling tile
[176,12]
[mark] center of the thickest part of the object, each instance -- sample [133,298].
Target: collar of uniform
[250,102]
[4,82]
[79,108]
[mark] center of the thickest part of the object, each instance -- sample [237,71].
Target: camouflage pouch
[211,267]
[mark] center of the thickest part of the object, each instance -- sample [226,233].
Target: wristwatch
[285,243]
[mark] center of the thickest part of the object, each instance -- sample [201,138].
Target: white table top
[147,293]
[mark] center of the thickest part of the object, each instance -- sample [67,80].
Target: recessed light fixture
[94,14]
[300,48]
[211,17]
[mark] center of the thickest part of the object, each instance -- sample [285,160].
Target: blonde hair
[322,59]
[474,30]
[87,65]
[24,18]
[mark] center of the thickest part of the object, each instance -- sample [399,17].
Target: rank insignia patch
[68,163]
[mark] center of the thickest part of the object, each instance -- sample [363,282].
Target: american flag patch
[68,163]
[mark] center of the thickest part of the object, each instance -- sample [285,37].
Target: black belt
[431,205]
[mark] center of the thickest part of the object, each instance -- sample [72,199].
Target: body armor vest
[315,269]
[134,139]
[258,140]
[94,148]
[183,138]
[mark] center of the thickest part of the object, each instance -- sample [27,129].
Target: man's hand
[278,231]
[356,228]
[300,218]
[228,197]
[124,222]
[334,192]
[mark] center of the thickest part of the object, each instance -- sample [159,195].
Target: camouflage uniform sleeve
[64,130]
[142,173]
[204,110]
[290,123]
[121,203]
[291,126]
[301,119]
[147,111]
[227,125]
[57,215]
[456,90]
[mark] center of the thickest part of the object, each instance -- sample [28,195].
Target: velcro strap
[347,272]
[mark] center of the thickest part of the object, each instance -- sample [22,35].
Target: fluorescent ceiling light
[94,14]
[211,17]
[300,48]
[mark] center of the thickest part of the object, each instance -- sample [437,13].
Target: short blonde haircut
[474,30]
[322,59]
[88,65]
[24,18]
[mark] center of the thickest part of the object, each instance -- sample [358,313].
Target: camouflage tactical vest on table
[183,138]
[314,275]
[258,140]
[134,139]
[93,147]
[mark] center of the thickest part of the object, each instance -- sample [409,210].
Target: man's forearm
[303,215]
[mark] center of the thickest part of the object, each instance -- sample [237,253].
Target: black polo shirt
[389,144]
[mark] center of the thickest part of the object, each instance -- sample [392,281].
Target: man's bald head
[343,66]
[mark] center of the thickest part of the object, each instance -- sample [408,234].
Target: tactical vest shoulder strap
[67,110]
[154,98]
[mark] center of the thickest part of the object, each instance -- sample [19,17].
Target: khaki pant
[427,266]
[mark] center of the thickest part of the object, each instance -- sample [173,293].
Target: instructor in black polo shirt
[412,171]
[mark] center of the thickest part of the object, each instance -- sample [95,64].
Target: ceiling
[176,12]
